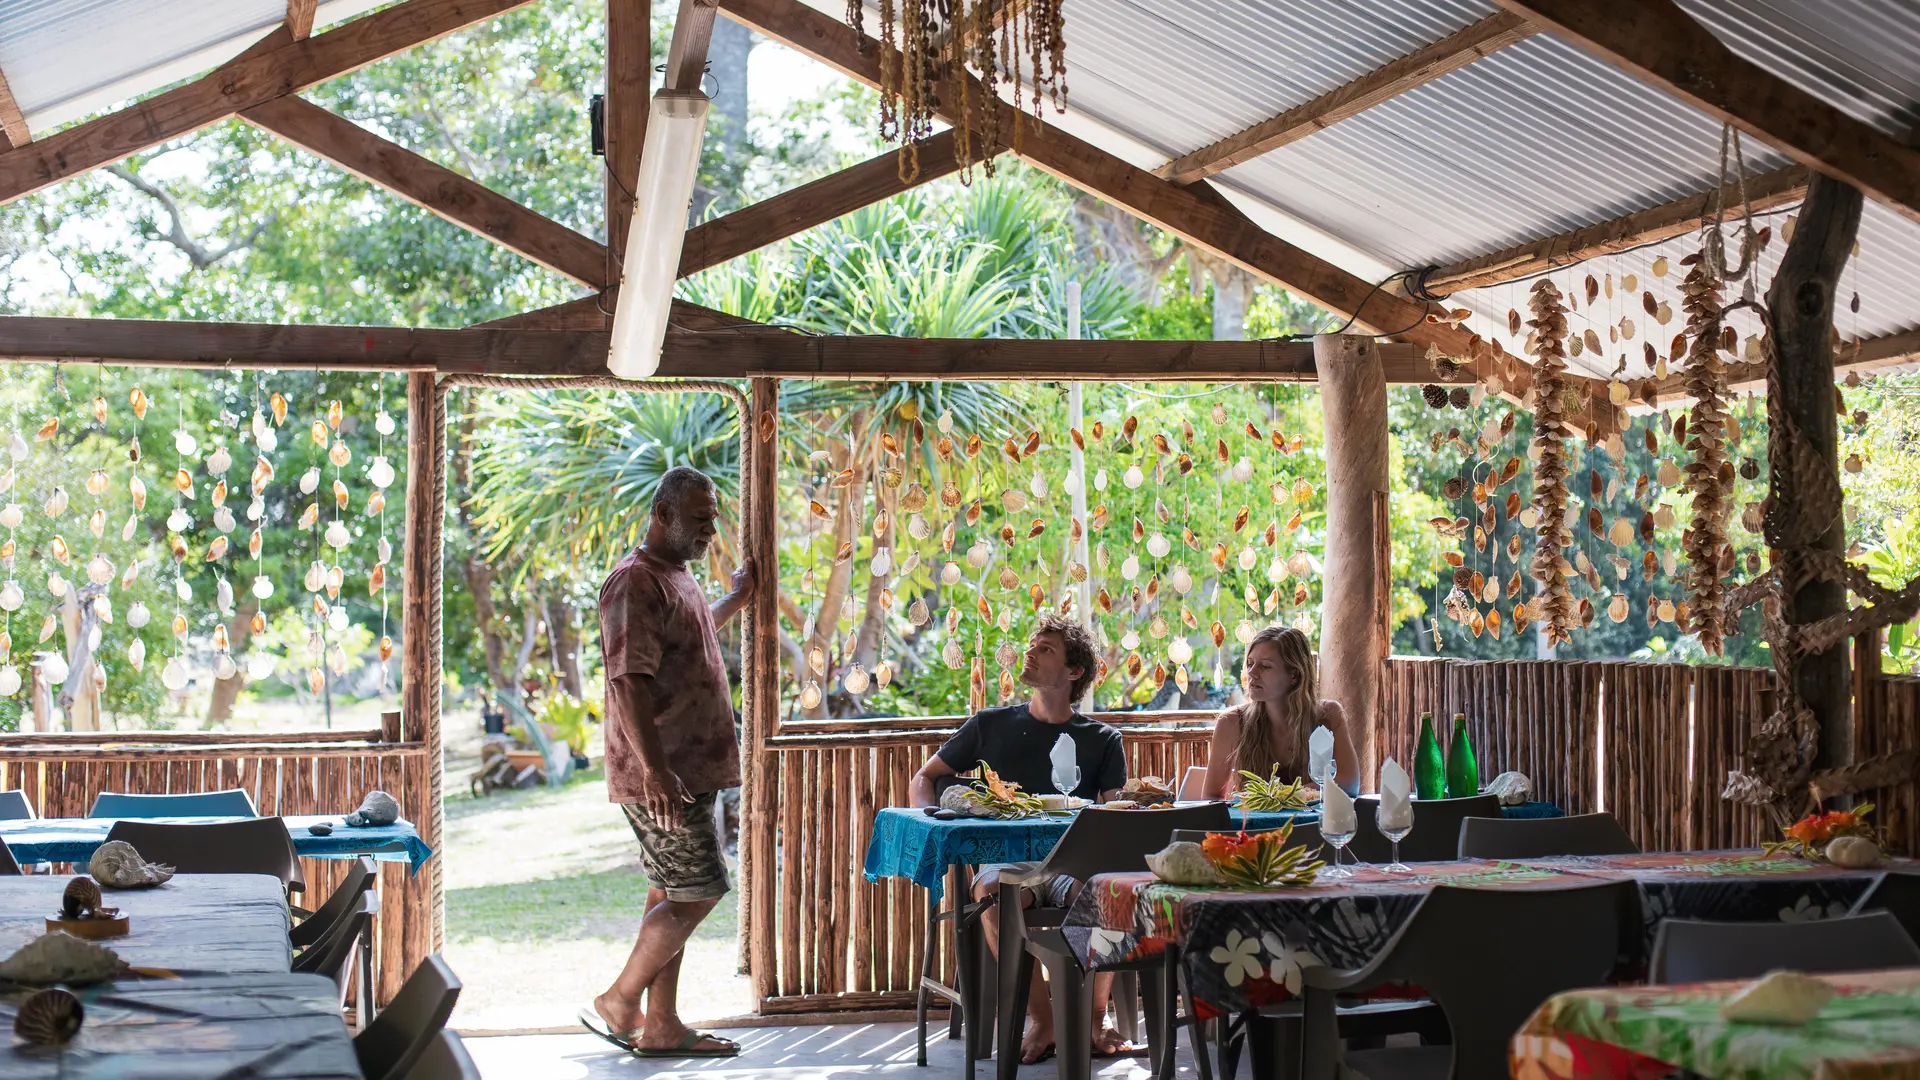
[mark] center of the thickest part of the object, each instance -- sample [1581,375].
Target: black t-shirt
[1018,747]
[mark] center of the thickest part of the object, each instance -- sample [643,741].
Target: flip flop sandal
[1044,1055]
[590,1017]
[727,1048]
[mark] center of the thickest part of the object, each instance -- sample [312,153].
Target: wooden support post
[629,76]
[1801,302]
[760,693]
[1353,633]
[420,614]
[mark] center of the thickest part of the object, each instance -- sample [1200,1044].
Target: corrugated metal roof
[1861,56]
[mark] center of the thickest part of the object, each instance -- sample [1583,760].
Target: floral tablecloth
[1245,948]
[1871,1031]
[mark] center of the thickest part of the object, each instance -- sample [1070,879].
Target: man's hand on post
[745,577]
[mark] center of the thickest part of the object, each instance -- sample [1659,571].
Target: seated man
[1017,742]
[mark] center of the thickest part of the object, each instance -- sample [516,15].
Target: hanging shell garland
[1709,554]
[1551,497]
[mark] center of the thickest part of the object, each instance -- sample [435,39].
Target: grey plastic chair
[1488,957]
[1539,838]
[1898,895]
[446,1058]
[232,802]
[1098,842]
[1694,950]
[361,877]
[1436,828]
[15,806]
[399,1037]
[251,846]
[346,951]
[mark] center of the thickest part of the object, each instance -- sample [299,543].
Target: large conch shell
[378,808]
[1779,997]
[117,865]
[1183,863]
[61,958]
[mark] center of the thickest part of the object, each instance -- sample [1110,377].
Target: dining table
[1243,949]
[201,922]
[1869,1030]
[73,840]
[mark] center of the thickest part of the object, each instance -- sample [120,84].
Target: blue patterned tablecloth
[73,840]
[907,843]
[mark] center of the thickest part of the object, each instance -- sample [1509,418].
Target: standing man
[671,749]
[1017,741]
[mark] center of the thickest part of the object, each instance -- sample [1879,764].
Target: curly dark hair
[1078,644]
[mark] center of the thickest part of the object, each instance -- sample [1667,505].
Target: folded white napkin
[1336,810]
[1396,802]
[1320,754]
[1066,764]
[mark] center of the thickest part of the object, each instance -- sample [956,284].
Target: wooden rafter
[799,209]
[687,51]
[1410,72]
[434,187]
[629,77]
[253,79]
[300,18]
[13,123]
[1659,43]
[1767,191]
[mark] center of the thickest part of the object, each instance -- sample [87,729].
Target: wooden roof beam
[1659,43]
[253,78]
[1767,191]
[1410,72]
[432,186]
[300,18]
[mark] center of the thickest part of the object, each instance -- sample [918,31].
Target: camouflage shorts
[685,863]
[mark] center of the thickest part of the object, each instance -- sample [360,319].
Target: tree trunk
[479,578]
[227,691]
[564,639]
[727,53]
[77,697]
[1232,296]
[1801,304]
[826,621]
[1353,633]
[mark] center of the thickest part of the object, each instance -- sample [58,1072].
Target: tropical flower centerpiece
[1821,836]
[1262,796]
[990,796]
[1258,860]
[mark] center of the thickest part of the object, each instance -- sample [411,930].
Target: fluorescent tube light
[669,162]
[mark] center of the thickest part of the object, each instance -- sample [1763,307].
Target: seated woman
[1269,733]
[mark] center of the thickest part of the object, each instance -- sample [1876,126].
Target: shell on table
[61,958]
[378,808]
[1183,863]
[80,899]
[117,865]
[48,1018]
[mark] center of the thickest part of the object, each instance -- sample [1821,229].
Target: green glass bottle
[1429,771]
[1463,772]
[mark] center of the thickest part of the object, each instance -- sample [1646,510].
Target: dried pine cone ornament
[1435,395]
[1708,474]
[1550,495]
[1460,397]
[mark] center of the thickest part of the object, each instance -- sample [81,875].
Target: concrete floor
[878,1051]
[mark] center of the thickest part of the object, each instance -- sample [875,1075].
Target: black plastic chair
[1539,838]
[251,846]
[346,950]
[15,806]
[1098,842]
[361,877]
[1694,950]
[1488,957]
[1436,828]
[1898,895]
[232,802]
[7,863]
[399,1037]
[446,1058]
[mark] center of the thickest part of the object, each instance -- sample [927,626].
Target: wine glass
[1339,842]
[1394,836]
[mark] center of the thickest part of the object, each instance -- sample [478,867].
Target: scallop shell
[61,958]
[49,1018]
[117,865]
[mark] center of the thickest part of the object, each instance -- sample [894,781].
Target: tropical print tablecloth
[1871,1031]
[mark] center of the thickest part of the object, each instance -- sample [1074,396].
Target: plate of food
[1143,793]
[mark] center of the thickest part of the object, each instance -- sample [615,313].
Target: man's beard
[685,546]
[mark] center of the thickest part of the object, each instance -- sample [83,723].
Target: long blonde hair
[1269,742]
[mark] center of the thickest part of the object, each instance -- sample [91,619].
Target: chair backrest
[446,1058]
[232,802]
[1193,784]
[361,878]
[333,954]
[1304,832]
[252,846]
[1536,838]
[400,1034]
[1436,828]
[1490,957]
[1692,950]
[15,806]
[1115,841]
[8,865]
[1898,895]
